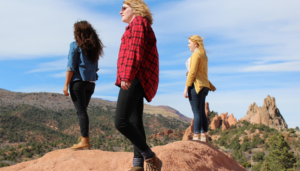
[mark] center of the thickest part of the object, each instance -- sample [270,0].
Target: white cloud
[37,29]
[106,88]
[269,27]
[172,73]
[279,67]
[50,66]
[260,66]
[105,71]
[58,75]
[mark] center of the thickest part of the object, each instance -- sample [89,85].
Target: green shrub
[246,165]
[259,157]
[4,164]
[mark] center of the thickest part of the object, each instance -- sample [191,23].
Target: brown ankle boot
[153,164]
[84,142]
[136,169]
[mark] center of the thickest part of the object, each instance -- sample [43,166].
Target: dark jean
[81,93]
[129,116]
[197,102]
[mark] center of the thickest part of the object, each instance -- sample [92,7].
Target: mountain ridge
[57,101]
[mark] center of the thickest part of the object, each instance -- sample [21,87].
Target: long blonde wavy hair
[140,8]
[199,41]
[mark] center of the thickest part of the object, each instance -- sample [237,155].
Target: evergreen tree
[279,156]
[265,166]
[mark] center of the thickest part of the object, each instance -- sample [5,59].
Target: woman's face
[127,13]
[193,46]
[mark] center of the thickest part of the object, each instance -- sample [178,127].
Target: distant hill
[57,101]
[32,124]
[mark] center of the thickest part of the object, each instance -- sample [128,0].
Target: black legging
[81,93]
[129,116]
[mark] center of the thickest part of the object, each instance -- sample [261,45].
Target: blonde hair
[140,8]
[199,41]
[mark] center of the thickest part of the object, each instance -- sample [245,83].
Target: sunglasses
[123,8]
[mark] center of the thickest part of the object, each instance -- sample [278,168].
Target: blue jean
[197,102]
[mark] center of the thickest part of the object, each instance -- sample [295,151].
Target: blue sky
[253,49]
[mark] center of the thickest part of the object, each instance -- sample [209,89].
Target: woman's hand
[66,93]
[69,75]
[125,85]
[185,93]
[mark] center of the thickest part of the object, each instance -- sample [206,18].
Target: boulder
[177,156]
[189,132]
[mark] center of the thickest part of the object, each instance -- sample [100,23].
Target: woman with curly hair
[137,76]
[197,86]
[81,74]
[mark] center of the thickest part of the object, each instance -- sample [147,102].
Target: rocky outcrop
[207,111]
[177,156]
[231,120]
[224,121]
[216,122]
[189,132]
[268,114]
[169,132]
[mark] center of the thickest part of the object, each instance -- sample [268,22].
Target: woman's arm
[136,50]
[71,65]
[67,82]
[195,61]
[185,92]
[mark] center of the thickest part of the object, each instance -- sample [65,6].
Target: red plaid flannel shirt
[138,56]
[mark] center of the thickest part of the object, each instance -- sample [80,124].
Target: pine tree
[265,166]
[279,156]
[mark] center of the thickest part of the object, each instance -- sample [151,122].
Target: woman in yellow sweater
[197,86]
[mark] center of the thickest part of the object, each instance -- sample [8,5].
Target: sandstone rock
[189,132]
[224,115]
[215,123]
[161,134]
[225,123]
[268,114]
[207,110]
[177,156]
[231,120]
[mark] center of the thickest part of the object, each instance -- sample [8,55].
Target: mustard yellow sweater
[198,72]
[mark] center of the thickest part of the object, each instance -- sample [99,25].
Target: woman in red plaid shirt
[137,76]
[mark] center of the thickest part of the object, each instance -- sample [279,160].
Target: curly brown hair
[88,40]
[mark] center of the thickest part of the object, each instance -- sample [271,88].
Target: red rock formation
[268,114]
[207,109]
[224,115]
[225,123]
[189,132]
[215,123]
[161,134]
[177,156]
[231,120]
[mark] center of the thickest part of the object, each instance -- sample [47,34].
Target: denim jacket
[82,68]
